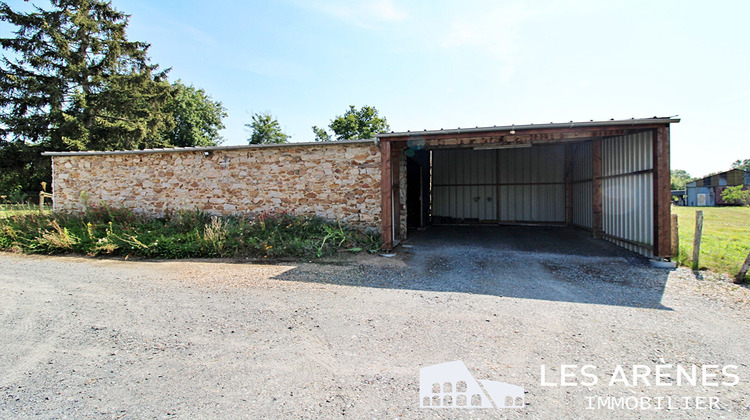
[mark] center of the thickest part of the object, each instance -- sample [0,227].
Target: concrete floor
[542,239]
[545,263]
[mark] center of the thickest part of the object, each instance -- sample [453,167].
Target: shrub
[215,235]
[186,234]
[58,239]
[736,196]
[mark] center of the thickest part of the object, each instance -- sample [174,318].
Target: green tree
[741,164]
[22,169]
[355,124]
[736,196]
[70,80]
[265,129]
[321,134]
[679,179]
[197,117]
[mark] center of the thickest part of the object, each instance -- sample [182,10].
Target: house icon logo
[450,385]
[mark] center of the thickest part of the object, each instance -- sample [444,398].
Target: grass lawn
[726,237]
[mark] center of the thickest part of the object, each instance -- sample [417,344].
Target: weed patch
[185,234]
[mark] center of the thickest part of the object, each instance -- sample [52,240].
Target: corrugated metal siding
[627,202]
[583,203]
[692,195]
[464,184]
[468,184]
[542,166]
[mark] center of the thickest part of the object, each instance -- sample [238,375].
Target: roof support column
[662,193]
[396,188]
[597,187]
[386,194]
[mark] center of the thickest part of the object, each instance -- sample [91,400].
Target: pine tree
[71,80]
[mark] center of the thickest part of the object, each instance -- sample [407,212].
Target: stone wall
[334,181]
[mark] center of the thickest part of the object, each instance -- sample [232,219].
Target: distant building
[679,197]
[707,191]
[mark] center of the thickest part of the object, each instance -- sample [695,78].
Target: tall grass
[725,241]
[8,209]
[187,234]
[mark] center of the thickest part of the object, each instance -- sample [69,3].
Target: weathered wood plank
[396,185]
[675,237]
[662,193]
[386,194]
[697,239]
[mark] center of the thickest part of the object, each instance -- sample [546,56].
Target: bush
[186,234]
[736,196]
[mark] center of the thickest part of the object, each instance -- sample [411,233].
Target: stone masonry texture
[333,181]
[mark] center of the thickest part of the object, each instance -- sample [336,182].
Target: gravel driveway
[122,339]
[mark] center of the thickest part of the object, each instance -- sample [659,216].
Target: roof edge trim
[571,125]
[206,148]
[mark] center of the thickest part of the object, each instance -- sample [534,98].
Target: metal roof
[204,149]
[571,125]
[694,180]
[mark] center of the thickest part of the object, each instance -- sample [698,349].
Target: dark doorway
[417,188]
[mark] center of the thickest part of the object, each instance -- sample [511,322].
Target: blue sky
[433,64]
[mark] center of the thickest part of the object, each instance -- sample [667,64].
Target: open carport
[611,178]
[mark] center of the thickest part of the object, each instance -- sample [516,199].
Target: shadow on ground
[548,263]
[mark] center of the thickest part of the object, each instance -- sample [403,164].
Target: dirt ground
[104,338]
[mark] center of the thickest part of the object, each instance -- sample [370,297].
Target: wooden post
[597,187]
[675,237]
[386,194]
[697,239]
[396,188]
[568,184]
[662,194]
[741,275]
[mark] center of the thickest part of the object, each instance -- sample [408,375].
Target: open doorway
[418,188]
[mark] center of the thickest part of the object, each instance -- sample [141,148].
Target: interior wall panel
[582,174]
[526,183]
[464,184]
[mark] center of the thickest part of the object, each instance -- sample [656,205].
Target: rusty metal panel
[628,209]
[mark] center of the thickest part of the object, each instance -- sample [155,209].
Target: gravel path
[122,339]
